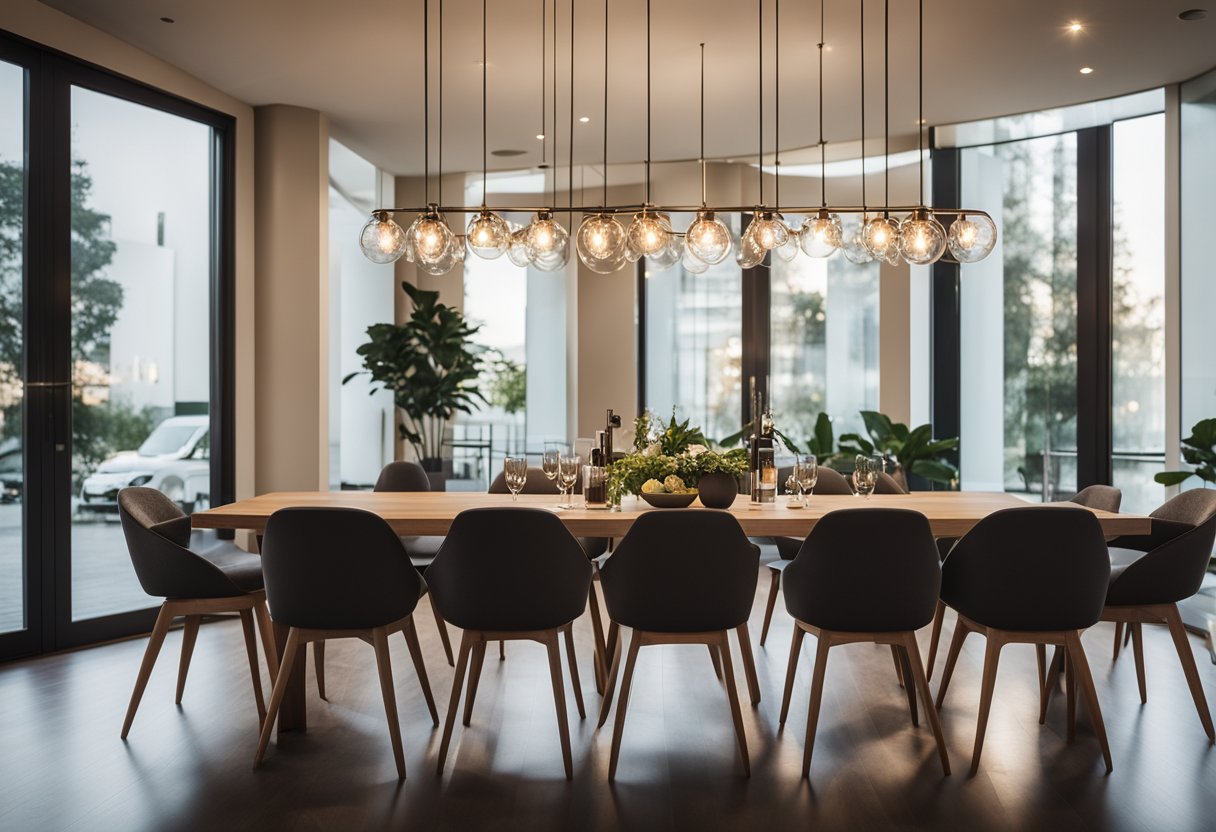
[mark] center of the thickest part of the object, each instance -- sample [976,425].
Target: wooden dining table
[950,514]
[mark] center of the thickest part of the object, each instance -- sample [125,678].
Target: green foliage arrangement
[823,441]
[663,450]
[915,449]
[508,382]
[1198,449]
[430,366]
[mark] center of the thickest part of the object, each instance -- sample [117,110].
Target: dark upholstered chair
[864,575]
[1032,575]
[1151,573]
[829,482]
[1101,497]
[887,484]
[510,574]
[192,584]
[681,576]
[341,573]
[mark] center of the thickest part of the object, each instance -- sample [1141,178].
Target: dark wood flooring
[62,765]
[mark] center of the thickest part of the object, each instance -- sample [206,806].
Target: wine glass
[807,471]
[567,476]
[515,471]
[548,462]
[865,474]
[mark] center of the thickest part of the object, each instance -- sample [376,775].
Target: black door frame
[46,503]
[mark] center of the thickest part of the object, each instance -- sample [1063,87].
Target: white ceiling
[360,61]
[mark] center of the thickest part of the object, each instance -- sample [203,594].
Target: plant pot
[437,471]
[718,490]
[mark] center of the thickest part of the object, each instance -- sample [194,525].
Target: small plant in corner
[1198,449]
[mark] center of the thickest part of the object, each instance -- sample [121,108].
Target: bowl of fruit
[670,493]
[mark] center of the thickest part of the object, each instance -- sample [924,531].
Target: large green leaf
[878,425]
[823,444]
[935,470]
[1168,478]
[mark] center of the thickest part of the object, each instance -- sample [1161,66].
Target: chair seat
[1122,557]
[593,546]
[787,547]
[422,548]
[779,565]
[240,567]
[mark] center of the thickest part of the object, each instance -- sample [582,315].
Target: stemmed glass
[865,474]
[548,462]
[806,469]
[567,476]
[515,471]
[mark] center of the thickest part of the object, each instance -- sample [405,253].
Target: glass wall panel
[1026,292]
[1138,319]
[694,343]
[141,279]
[12,370]
[824,343]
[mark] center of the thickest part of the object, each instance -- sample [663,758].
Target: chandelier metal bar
[725,209]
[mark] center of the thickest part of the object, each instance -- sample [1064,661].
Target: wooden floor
[62,765]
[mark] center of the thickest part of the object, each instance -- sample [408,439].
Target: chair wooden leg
[812,711]
[732,695]
[411,640]
[163,619]
[251,650]
[282,678]
[462,661]
[610,683]
[1174,621]
[899,670]
[479,657]
[1040,661]
[559,700]
[502,651]
[1080,671]
[1127,637]
[189,637]
[266,631]
[1138,655]
[1118,640]
[909,685]
[597,633]
[574,681]
[318,663]
[921,683]
[992,656]
[622,705]
[384,668]
[716,659]
[749,663]
[791,669]
[1054,668]
[935,635]
[1070,694]
[956,646]
[774,586]
[442,626]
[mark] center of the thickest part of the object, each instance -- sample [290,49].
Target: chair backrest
[887,484]
[830,481]
[865,570]
[336,569]
[1179,550]
[403,476]
[158,534]
[1101,497]
[682,570]
[1030,568]
[537,483]
[509,569]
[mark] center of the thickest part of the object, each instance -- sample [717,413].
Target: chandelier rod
[647,100]
[426,100]
[777,105]
[760,93]
[703,194]
[439,171]
[570,159]
[823,163]
[605,178]
[553,59]
[484,71]
[920,79]
[544,68]
[861,37]
[886,102]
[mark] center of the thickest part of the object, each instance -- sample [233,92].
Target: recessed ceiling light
[540,137]
[1075,27]
[167,20]
[584,119]
[1086,70]
[1193,14]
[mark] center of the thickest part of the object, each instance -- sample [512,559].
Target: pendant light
[922,239]
[788,250]
[881,233]
[488,235]
[821,234]
[601,237]
[548,241]
[765,231]
[650,232]
[707,241]
[436,249]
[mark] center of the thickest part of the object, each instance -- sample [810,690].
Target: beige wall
[292,359]
[42,24]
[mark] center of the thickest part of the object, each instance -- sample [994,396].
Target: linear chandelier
[916,234]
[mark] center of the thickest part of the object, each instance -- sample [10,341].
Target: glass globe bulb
[971,238]
[488,235]
[922,240]
[708,239]
[881,237]
[648,233]
[789,250]
[691,263]
[768,232]
[852,241]
[431,238]
[548,241]
[381,239]
[821,234]
[517,251]
[601,243]
[666,257]
[750,254]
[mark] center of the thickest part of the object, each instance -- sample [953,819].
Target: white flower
[696,450]
[653,449]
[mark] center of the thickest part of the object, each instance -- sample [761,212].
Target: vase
[718,490]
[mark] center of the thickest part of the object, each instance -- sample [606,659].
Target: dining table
[950,514]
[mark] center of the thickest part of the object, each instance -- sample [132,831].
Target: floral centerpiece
[672,450]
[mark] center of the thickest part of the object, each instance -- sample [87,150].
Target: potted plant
[676,450]
[1199,449]
[431,367]
[917,454]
